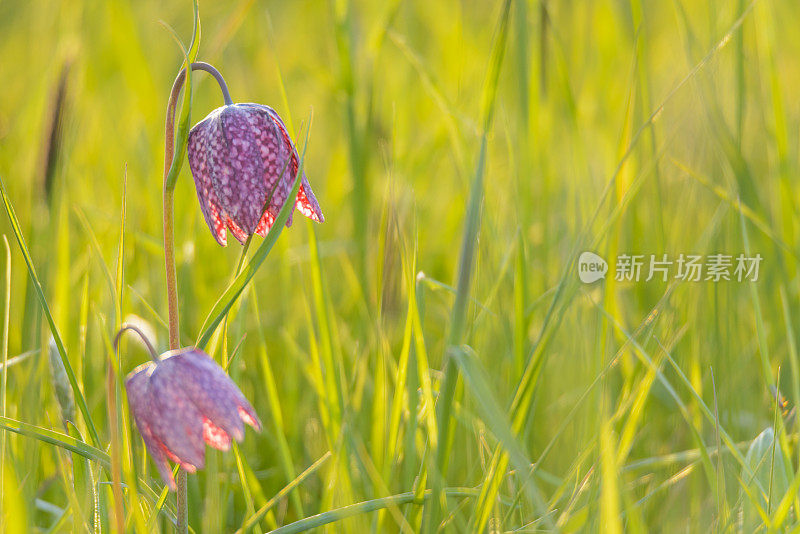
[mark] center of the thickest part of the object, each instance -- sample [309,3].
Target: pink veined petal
[219,227]
[237,232]
[171,455]
[189,468]
[304,206]
[266,222]
[290,172]
[307,203]
[213,213]
[249,418]
[159,453]
[215,436]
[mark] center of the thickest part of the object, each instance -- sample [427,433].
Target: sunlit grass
[427,358]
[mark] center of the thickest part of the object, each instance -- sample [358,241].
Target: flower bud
[63,389]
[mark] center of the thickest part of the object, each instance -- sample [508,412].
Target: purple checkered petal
[176,422]
[137,388]
[182,403]
[279,160]
[240,155]
[212,391]
[201,140]
[238,175]
[307,203]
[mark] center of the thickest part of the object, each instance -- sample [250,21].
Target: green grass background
[612,126]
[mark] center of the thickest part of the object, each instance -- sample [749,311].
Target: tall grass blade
[466,264]
[235,288]
[53,329]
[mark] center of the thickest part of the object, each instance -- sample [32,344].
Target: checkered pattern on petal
[307,203]
[176,421]
[241,155]
[202,141]
[238,182]
[137,387]
[237,232]
[184,402]
[211,390]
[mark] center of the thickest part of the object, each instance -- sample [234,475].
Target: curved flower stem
[172,165]
[113,396]
[134,328]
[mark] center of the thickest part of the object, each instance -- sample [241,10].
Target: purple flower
[182,402]
[239,155]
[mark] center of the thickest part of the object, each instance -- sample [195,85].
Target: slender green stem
[172,163]
[182,511]
[169,194]
[4,386]
[466,265]
[116,463]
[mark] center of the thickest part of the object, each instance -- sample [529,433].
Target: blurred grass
[627,127]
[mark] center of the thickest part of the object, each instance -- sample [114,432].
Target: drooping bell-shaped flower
[183,401]
[241,157]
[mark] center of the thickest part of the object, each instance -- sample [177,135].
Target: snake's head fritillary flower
[240,155]
[182,402]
